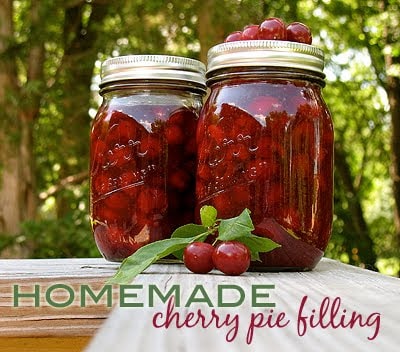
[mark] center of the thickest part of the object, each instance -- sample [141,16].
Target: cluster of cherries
[273,29]
[229,257]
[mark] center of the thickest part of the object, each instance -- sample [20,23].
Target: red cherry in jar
[142,151]
[265,142]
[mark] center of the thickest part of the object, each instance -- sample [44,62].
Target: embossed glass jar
[265,142]
[143,150]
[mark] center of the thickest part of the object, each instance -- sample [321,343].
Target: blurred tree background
[50,55]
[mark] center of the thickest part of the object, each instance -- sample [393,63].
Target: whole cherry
[250,32]
[272,29]
[231,257]
[299,32]
[233,37]
[197,257]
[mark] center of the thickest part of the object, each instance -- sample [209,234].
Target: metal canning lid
[153,67]
[267,53]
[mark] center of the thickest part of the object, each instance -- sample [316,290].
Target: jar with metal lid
[265,142]
[143,150]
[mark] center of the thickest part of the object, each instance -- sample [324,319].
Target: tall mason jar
[143,150]
[265,142]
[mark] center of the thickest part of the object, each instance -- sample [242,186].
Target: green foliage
[67,237]
[77,37]
[354,43]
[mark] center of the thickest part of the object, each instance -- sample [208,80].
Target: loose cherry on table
[197,257]
[231,257]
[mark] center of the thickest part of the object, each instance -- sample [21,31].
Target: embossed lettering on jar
[265,142]
[143,150]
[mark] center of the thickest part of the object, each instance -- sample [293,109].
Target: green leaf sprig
[238,228]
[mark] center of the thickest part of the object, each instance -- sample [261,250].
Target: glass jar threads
[143,150]
[265,142]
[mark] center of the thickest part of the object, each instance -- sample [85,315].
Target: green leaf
[239,226]
[147,255]
[208,215]
[258,244]
[189,230]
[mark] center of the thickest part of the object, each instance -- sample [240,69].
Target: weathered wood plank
[43,344]
[26,320]
[41,268]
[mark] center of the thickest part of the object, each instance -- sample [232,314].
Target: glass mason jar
[265,142]
[143,150]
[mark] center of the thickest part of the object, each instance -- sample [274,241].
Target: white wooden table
[338,287]
[96,327]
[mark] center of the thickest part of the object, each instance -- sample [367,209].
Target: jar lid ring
[273,53]
[153,67]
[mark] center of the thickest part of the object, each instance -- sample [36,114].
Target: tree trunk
[393,91]
[205,28]
[17,168]
[361,243]
[392,87]
[10,166]
[77,65]
[10,212]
